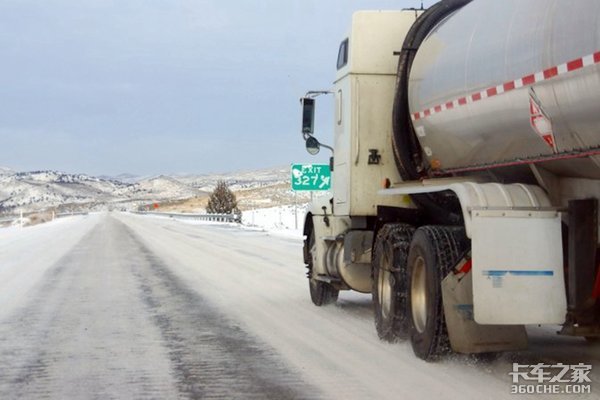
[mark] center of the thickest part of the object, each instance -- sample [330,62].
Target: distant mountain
[239,180]
[41,190]
[6,171]
[125,178]
[45,189]
[168,187]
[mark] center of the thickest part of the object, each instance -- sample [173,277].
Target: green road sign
[311,177]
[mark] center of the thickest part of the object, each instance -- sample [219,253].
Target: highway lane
[109,320]
[143,307]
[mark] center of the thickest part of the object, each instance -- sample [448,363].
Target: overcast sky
[165,86]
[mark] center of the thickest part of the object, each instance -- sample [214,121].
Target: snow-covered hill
[239,180]
[43,190]
[6,171]
[166,187]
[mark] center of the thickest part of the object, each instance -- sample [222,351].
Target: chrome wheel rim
[385,284]
[418,295]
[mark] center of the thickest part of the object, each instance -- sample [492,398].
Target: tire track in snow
[24,335]
[110,321]
[212,357]
[80,335]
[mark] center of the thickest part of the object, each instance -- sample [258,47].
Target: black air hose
[407,150]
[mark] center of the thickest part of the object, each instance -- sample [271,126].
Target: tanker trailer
[466,173]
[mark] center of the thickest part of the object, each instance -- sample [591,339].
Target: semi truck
[466,173]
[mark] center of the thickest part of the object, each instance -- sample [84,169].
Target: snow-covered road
[125,306]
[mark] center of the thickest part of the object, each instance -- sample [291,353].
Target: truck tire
[434,251]
[390,288]
[321,293]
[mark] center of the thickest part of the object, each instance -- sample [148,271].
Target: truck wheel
[321,293]
[390,289]
[434,251]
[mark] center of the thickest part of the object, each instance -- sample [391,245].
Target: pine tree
[222,200]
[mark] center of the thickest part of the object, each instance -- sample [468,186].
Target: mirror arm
[327,147]
[316,93]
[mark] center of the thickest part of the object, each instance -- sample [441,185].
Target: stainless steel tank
[511,82]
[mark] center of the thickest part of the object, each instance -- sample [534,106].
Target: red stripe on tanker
[527,80]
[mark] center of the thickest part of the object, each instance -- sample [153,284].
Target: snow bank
[285,220]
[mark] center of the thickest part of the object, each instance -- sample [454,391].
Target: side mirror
[312,145]
[308,115]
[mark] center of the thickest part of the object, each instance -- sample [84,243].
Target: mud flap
[467,336]
[518,267]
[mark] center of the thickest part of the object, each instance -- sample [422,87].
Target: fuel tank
[503,83]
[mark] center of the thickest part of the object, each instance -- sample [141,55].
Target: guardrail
[9,218]
[68,214]
[198,217]
[15,218]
